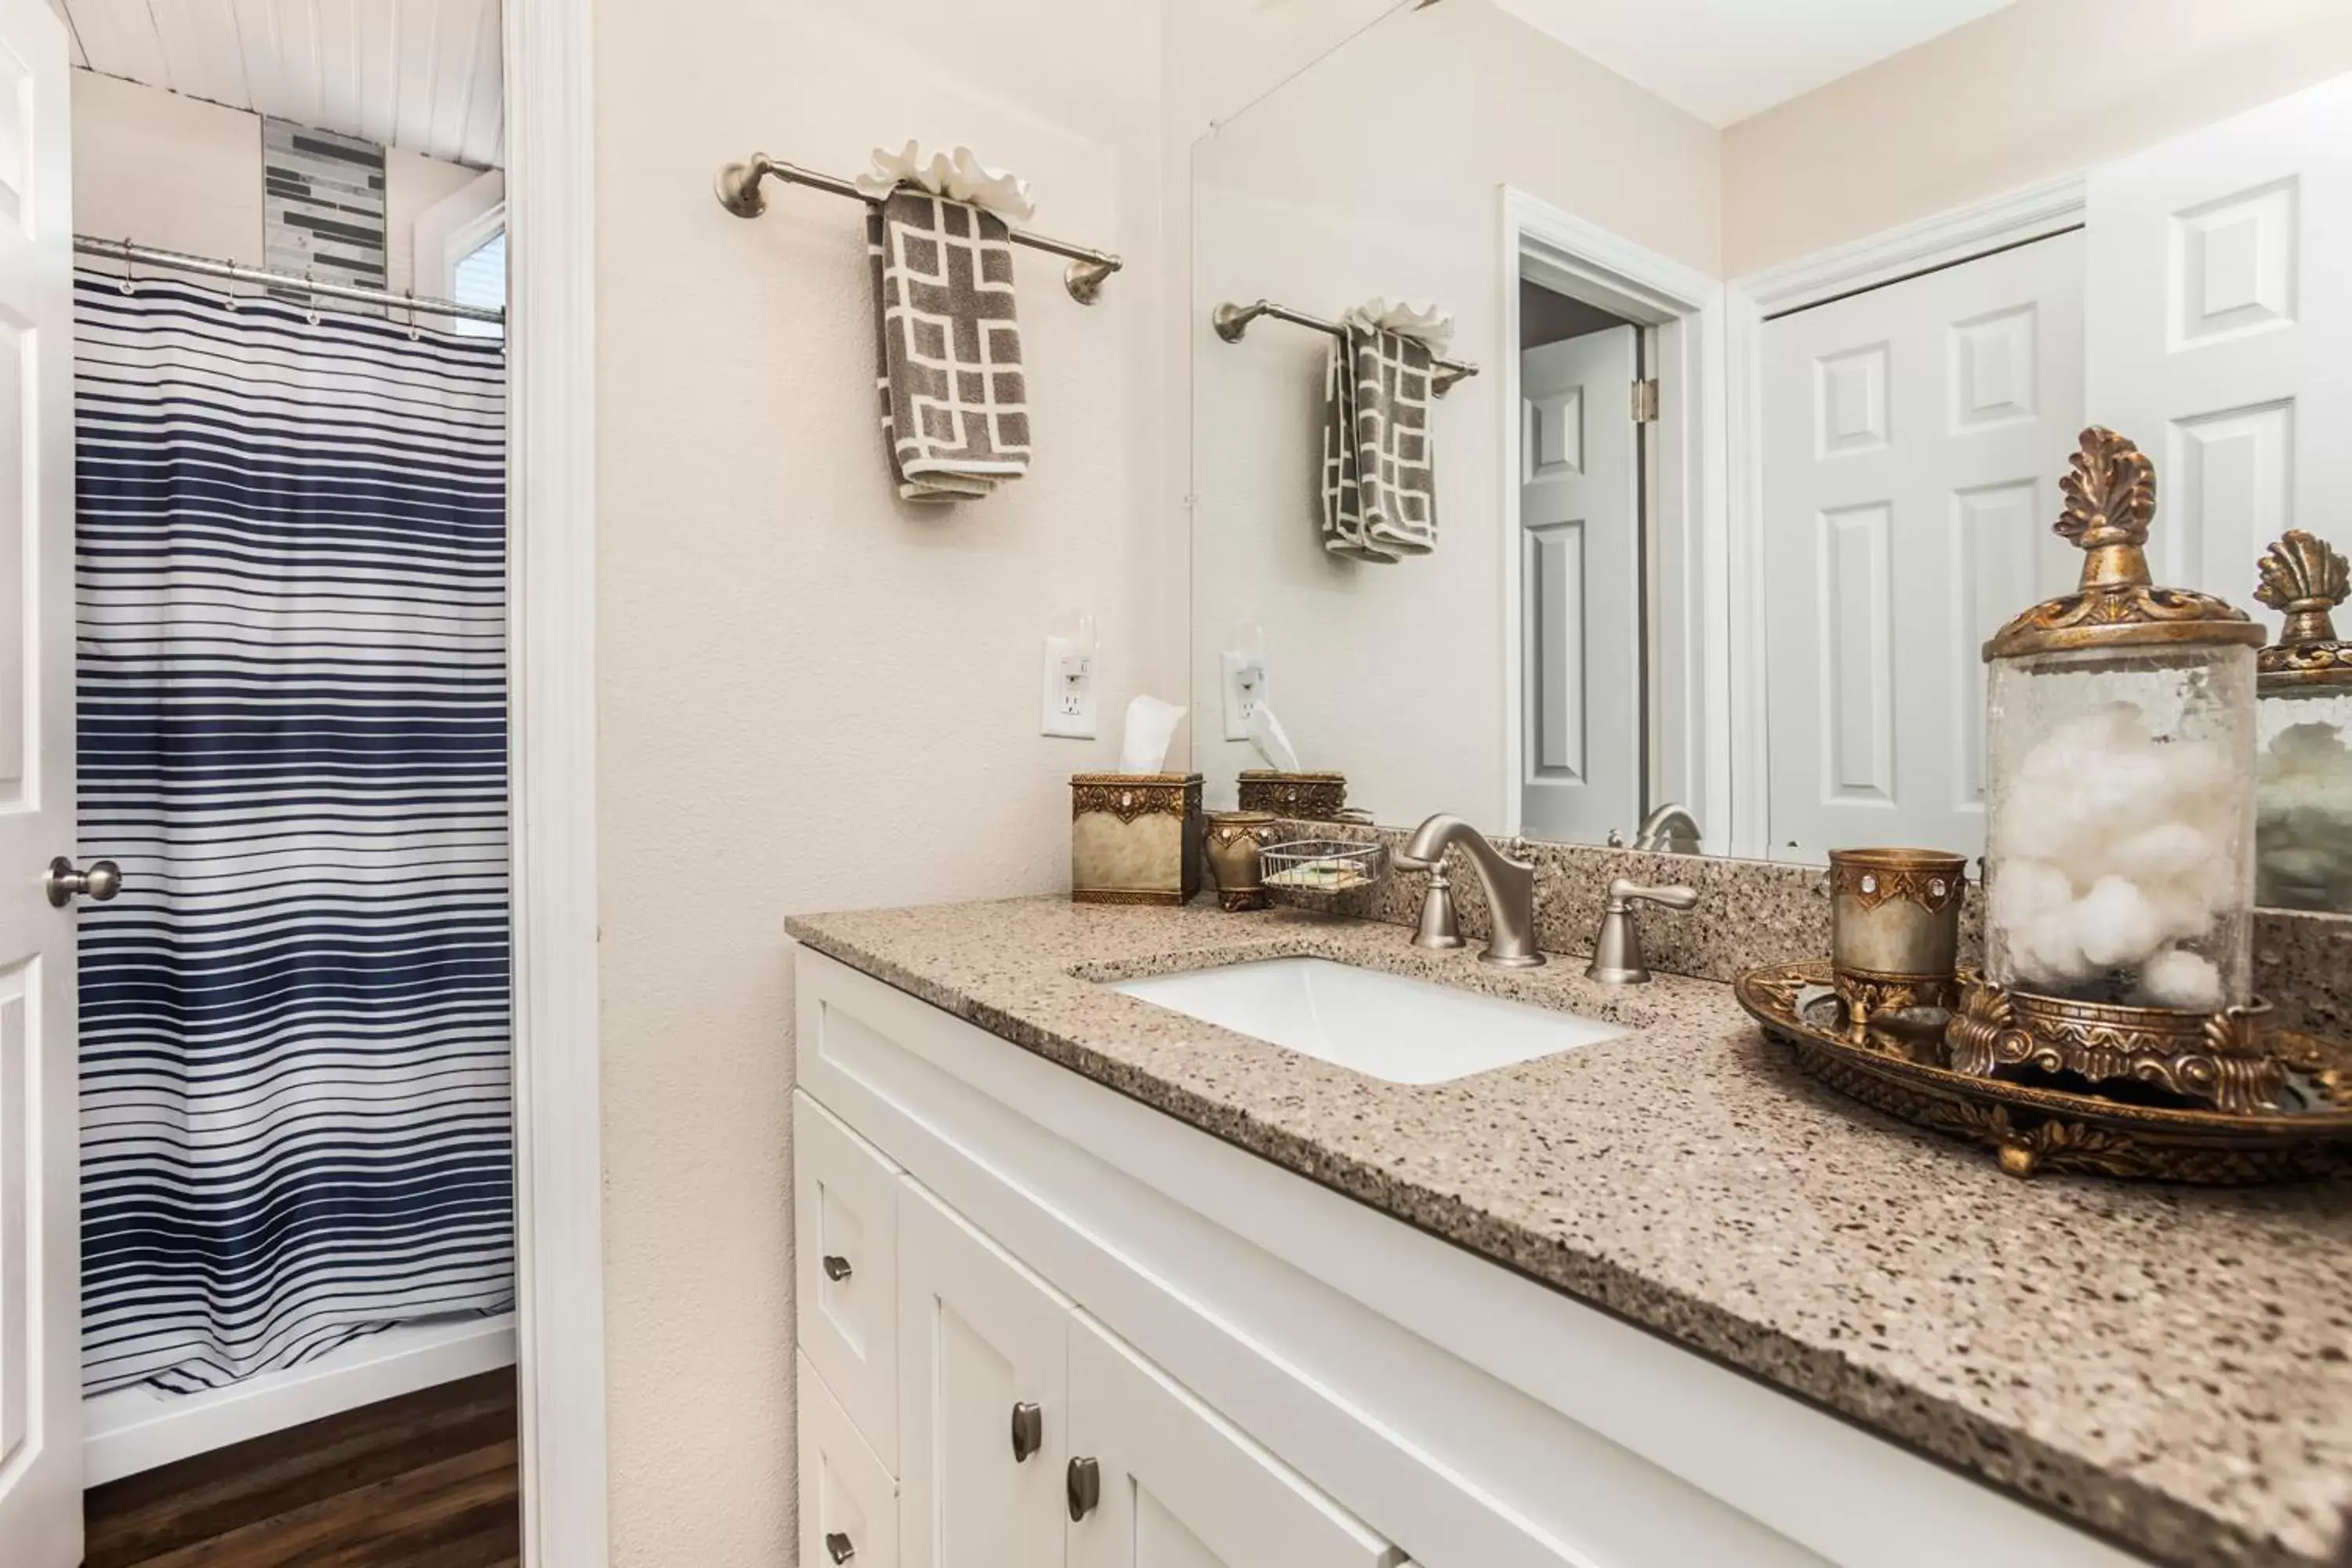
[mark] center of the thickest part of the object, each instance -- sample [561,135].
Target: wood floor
[426,1480]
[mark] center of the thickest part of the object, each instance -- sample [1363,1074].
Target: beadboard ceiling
[422,75]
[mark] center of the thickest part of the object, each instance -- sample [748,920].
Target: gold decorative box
[1135,838]
[1311,797]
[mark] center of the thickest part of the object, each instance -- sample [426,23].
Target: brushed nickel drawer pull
[837,1547]
[836,1268]
[1085,1488]
[1028,1431]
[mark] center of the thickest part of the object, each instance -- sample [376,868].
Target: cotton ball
[2116,925]
[2025,889]
[2168,852]
[2178,978]
[2045,951]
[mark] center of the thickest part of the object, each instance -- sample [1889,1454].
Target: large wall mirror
[1716,456]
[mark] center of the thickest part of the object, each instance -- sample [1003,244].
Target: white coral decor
[2113,850]
[1424,320]
[959,175]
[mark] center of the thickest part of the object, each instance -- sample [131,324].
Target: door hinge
[1646,402]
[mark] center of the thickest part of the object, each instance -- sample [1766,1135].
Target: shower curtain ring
[129,284]
[414,335]
[309,298]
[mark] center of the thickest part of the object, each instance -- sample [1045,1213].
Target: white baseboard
[138,1428]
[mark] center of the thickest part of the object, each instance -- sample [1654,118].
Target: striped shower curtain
[296,1112]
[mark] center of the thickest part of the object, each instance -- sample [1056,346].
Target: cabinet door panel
[1182,1488]
[844,1269]
[978,1334]
[848,1502]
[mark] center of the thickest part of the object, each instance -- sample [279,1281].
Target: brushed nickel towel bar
[1231,320]
[739,192]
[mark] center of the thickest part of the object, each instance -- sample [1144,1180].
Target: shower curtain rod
[181,261]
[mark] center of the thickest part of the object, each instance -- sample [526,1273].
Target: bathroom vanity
[1083,1279]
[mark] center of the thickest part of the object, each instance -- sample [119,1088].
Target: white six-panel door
[40,1307]
[2218,329]
[1913,438]
[978,1333]
[1580,583]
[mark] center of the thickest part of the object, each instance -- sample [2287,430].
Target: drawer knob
[1028,1431]
[836,1268]
[838,1546]
[1085,1488]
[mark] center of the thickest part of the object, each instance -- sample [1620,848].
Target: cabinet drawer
[846,1269]
[849,1504]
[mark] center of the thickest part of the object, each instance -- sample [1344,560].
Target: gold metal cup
[1894,932]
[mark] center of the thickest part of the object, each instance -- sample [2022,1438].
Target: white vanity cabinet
[1234,1367]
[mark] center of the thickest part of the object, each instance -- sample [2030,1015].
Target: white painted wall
[2038,90]
[1377,171]
[181,174]
[813,695]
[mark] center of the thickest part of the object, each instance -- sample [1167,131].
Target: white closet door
[2218,331]
[978,1334]
[40,1295]
[1914,440]
[1580,626]
[1179,1487]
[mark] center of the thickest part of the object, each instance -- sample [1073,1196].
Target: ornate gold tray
[2033,1129]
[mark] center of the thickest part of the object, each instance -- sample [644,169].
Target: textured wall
[813,696]
[2040,90]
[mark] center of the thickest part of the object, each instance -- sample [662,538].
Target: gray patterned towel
[1380,480]
[955,415]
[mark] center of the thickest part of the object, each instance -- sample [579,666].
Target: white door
[2218,333]
[1914,438]
[1581,586]
[978,1335]
[1176,1487]
[40,1305]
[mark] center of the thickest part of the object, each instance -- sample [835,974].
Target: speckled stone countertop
[2167,1366]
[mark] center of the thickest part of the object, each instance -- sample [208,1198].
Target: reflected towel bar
[1231,320]
[739,192]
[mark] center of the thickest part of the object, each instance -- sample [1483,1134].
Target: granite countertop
[2170,1366]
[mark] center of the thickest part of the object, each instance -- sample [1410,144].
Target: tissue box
[1135,838]
[1316,797]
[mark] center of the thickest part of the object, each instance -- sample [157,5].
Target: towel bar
[739,192]
[1231,320]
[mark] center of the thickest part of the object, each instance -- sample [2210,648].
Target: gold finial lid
[2110,489]
[2303,578]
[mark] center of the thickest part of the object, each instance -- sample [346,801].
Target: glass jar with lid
[2119,864]
[2303,764]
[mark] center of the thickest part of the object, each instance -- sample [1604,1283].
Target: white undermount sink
[1384,1026]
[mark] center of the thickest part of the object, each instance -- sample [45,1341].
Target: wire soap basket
[1314,871]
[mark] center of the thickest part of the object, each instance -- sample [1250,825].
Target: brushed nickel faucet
[1511,887]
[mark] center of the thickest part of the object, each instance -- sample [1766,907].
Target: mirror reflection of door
[1581,571]
[1913,436]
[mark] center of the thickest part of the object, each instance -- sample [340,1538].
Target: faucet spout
[1509,884]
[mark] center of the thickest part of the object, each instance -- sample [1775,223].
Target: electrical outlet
[1244,691]
[1068,703]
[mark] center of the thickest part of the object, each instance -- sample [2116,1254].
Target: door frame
[552,757]
[1681,309]
[2011,218]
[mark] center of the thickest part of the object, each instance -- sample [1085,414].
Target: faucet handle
[1617,948]
[1625,892]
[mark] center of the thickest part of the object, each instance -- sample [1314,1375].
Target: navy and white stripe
[295,1104]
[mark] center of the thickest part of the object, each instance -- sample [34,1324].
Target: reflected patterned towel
[1379,481]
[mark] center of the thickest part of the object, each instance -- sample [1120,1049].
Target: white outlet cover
[1066,706]
[1244,691]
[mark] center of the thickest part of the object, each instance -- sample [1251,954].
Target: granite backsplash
[1762,911]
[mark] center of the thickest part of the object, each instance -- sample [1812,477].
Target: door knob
[1028,1431]
[836,1267]
[1085,1488]
[838,1546]
[101,881]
